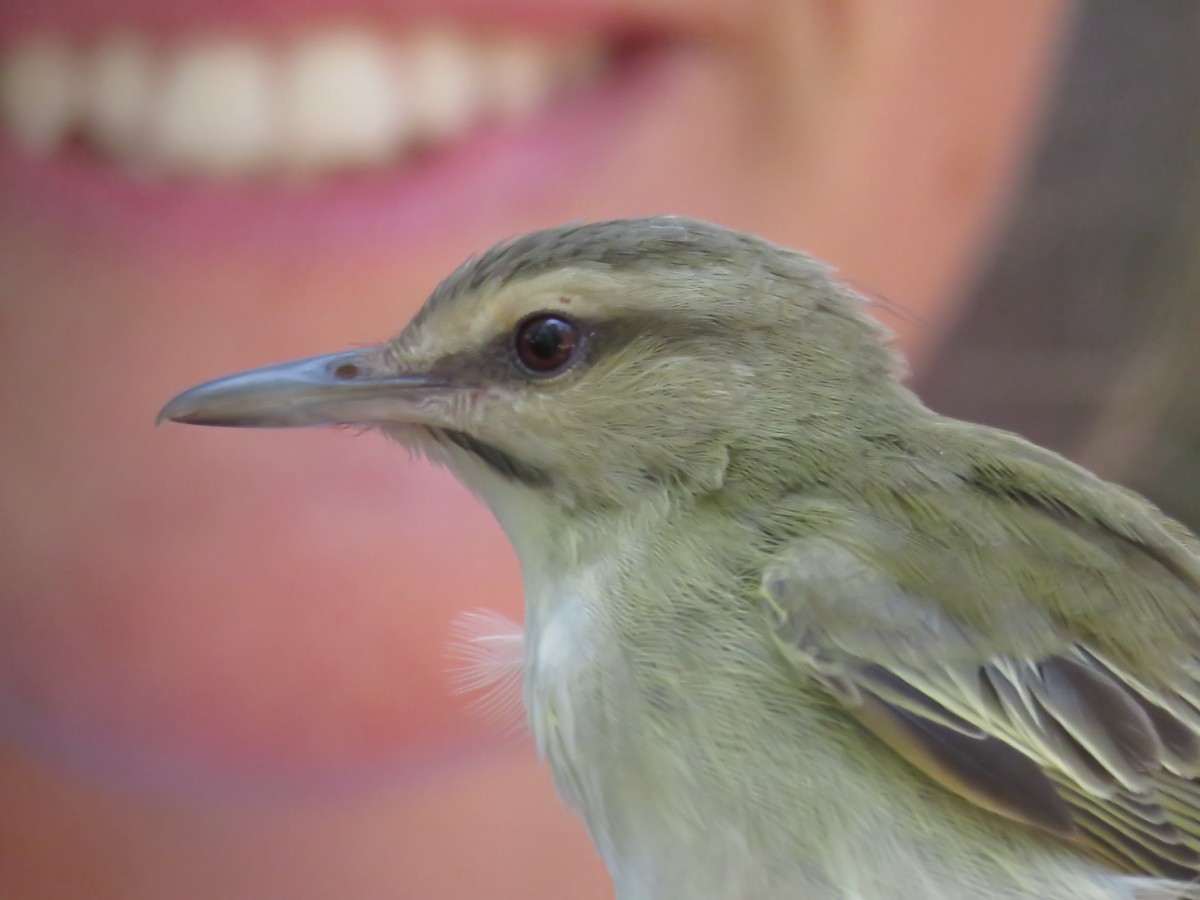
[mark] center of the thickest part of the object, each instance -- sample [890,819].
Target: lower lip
[499,173]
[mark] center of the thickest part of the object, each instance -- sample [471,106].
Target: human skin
[222,666]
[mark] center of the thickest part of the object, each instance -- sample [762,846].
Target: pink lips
[488,182]
[168,17]
[485,178]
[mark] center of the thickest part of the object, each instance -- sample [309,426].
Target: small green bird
[789,633]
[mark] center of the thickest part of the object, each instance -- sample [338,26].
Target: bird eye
[546,344]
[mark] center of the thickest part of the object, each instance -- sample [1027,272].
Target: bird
[788,632]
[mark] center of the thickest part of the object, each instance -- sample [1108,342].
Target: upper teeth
[234,107]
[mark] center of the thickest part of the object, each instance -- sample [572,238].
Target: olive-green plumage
[789,633]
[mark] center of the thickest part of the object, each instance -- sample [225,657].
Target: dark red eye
[545,343]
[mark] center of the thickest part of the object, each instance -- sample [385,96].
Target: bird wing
[1059,689]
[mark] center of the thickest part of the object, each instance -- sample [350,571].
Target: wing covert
[1065,740]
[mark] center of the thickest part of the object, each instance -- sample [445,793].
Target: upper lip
[85,17]
[346,388]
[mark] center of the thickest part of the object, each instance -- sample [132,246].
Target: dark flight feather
[1038,698]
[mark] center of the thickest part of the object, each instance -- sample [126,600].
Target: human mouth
[401,130]
[317,103]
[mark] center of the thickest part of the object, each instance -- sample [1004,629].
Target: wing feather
[1071,738]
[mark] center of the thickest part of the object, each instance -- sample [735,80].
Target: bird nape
[788,632]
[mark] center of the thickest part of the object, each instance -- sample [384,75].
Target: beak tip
[198,406]
[175,411]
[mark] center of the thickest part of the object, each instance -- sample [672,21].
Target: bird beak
[350,388]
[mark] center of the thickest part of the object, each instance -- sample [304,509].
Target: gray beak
[335,389]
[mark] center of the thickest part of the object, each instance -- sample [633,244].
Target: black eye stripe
[495,362]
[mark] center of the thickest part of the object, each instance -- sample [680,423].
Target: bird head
[587,367]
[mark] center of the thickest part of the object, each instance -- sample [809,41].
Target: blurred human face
[266,612]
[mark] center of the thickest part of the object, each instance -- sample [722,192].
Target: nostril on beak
[346,371]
